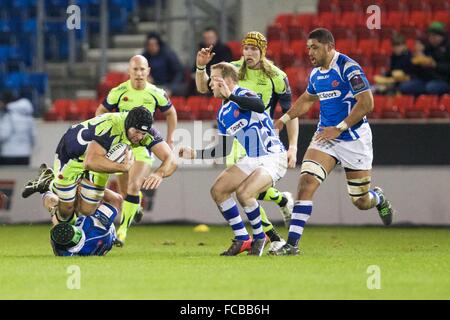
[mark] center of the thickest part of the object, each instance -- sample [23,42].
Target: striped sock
[230,212]
[300,214]
[254,215]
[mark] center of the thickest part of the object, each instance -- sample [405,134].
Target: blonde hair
[266,67]
[227,70]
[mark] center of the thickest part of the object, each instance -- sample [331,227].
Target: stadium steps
[147,26]
[113,54]
[129,40]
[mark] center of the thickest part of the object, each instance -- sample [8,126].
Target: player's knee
[307,186]
[243,195]
[216,193]
[358,190]
[134,186]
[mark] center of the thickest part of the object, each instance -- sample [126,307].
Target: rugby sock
[300,214]
[274,195]
[374,198]
[254,216]
[129,208]
[230,212]
[266,224]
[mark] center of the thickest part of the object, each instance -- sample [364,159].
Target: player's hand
[152,181]
[204,56]
[292,157]
[128,161]
[223,88]
[327,133]
[186,153]
[279,125]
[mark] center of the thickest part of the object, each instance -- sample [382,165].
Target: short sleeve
[152,139]
[222,131]
[111,101]
[162,100]
[310,88]
[355,77]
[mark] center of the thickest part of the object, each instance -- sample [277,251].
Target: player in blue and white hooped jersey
[343,134]
[242,117]
[90,235]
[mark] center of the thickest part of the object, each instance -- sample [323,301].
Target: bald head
[138,71]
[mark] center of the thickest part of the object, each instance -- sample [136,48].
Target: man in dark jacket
[166,69]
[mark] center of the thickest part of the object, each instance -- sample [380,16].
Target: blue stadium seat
[39,81]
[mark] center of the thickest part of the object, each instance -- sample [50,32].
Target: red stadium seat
[439,5]
[386,47]
[381,62]
[346,46]
[287,58]
[305,21]
[296,32]
[194,104]
[299,48]
[351,20]
[379,105]
[274,50]
[418,19]
[285,20]
[62,107]
[236,49]
[386,33]
[442,109]
[327,6]
[178,102]
[275,32]
[443,16]
[418,5]
[394,5]
[86,108]
[114,78]
[363,33]
[368,47]
[343,33]
[395,108]
[349,6]
[325,20]
[395,19]
[411,31]
[420,107]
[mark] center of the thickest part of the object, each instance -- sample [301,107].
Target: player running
[137,91]
[264,164]
[271,84]
[80,160]
[343,134]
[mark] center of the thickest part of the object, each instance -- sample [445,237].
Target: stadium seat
[325,20]
[395,19]
[285,20]
[346,46]
[86,108]
[395,108]
[351,20]
[418,19]
[114,78]
[193,106]
[287,58]
[378,106]
[421,106]
[275,32]
[327,6]
[61,107]
[305,21]
[442,109]
[236,49]
[443,16]
[411,31]
[349,6]
[299,48]
[296,32]
[386,33]
[368,47]
[274,50]
[381,62]
[418,5]
[363,33]
[340,32]
[439,5]
[386,47]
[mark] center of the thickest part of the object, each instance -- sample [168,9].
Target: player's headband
[66,235]
[257,39]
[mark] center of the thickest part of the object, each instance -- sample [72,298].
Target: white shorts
[355,154]
[274,164]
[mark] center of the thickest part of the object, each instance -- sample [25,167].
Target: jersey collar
[332,63]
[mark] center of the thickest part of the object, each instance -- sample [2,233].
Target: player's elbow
[87,163]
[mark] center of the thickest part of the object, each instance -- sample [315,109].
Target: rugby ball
[117,152]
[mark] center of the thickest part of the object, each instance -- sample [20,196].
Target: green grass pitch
[173,262]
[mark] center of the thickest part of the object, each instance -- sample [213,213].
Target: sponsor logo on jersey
[329,95]
[323,77]
[235,127]
[357,83]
